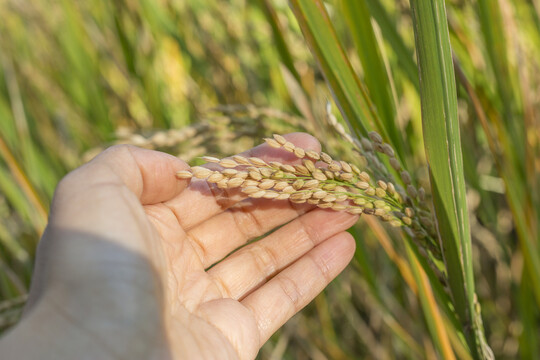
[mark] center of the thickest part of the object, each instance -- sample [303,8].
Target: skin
[133,263]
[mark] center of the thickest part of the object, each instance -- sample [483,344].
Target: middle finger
[254,264]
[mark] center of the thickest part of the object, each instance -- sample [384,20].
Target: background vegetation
[187,77]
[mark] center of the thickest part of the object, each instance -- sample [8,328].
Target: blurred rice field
[189,77]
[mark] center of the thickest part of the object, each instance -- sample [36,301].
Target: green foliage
[443,149]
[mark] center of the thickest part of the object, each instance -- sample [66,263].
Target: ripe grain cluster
[318,180]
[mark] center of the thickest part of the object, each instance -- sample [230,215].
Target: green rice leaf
[356,15]
[443,151]
[349,93]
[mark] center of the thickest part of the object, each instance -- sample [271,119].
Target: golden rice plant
[450,86]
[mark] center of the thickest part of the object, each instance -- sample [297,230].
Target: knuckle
[264,259]
[291,291]
[247,223]
[308,231]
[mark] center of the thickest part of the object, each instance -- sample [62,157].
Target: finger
[218,236]
[254,264]
[148,174]
[293,288]
[207,200]
[104,196]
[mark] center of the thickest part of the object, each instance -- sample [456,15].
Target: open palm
[134,262]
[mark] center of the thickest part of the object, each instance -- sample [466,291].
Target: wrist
[50,330]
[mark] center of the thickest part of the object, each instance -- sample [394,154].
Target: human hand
[124,269]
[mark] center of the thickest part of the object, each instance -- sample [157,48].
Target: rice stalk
[328,184]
